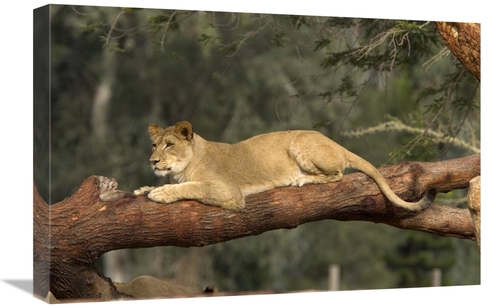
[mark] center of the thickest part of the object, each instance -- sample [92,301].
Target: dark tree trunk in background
[464,41]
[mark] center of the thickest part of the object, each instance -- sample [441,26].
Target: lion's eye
[154,146]
[169,145]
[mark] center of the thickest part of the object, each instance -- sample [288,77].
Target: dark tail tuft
[428,199]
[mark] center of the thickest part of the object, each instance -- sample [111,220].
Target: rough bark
[474,201]
[83,226]
[464,41]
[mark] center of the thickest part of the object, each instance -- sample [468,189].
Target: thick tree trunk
[83,226]
[464,41]
[103,97]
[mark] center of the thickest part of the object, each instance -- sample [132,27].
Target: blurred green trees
[114,70]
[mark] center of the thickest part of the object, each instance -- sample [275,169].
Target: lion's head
[172,148]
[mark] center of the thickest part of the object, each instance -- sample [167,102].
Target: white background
[17,151]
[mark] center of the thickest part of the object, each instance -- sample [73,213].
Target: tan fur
[222,174]
[150,287]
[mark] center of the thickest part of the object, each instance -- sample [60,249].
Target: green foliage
[425,149]
[131,9]
[230,49]
[298,21]
[280,39]
[92,27]
[383,44]
[446,93]
[208,39]
[113,47]
[418,255]
[163,22]
[321,43]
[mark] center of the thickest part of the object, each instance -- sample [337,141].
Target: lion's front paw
[158,195]
[143,190]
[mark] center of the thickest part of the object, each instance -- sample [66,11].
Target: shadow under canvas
[23,284]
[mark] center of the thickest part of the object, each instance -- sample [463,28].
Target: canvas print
[202,154]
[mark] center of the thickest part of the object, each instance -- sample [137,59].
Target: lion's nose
[154,161]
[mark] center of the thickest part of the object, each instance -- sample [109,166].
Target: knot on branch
[106,184]
[107,189]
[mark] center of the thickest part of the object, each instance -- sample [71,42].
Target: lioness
[144,287]
[222,174]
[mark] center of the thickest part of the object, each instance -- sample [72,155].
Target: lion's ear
[185,129]
[153,130]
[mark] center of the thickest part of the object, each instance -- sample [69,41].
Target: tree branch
[83,227]
[396,125]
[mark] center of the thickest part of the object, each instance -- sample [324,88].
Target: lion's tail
[364,166]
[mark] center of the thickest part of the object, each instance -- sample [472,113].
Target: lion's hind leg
[320,159]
